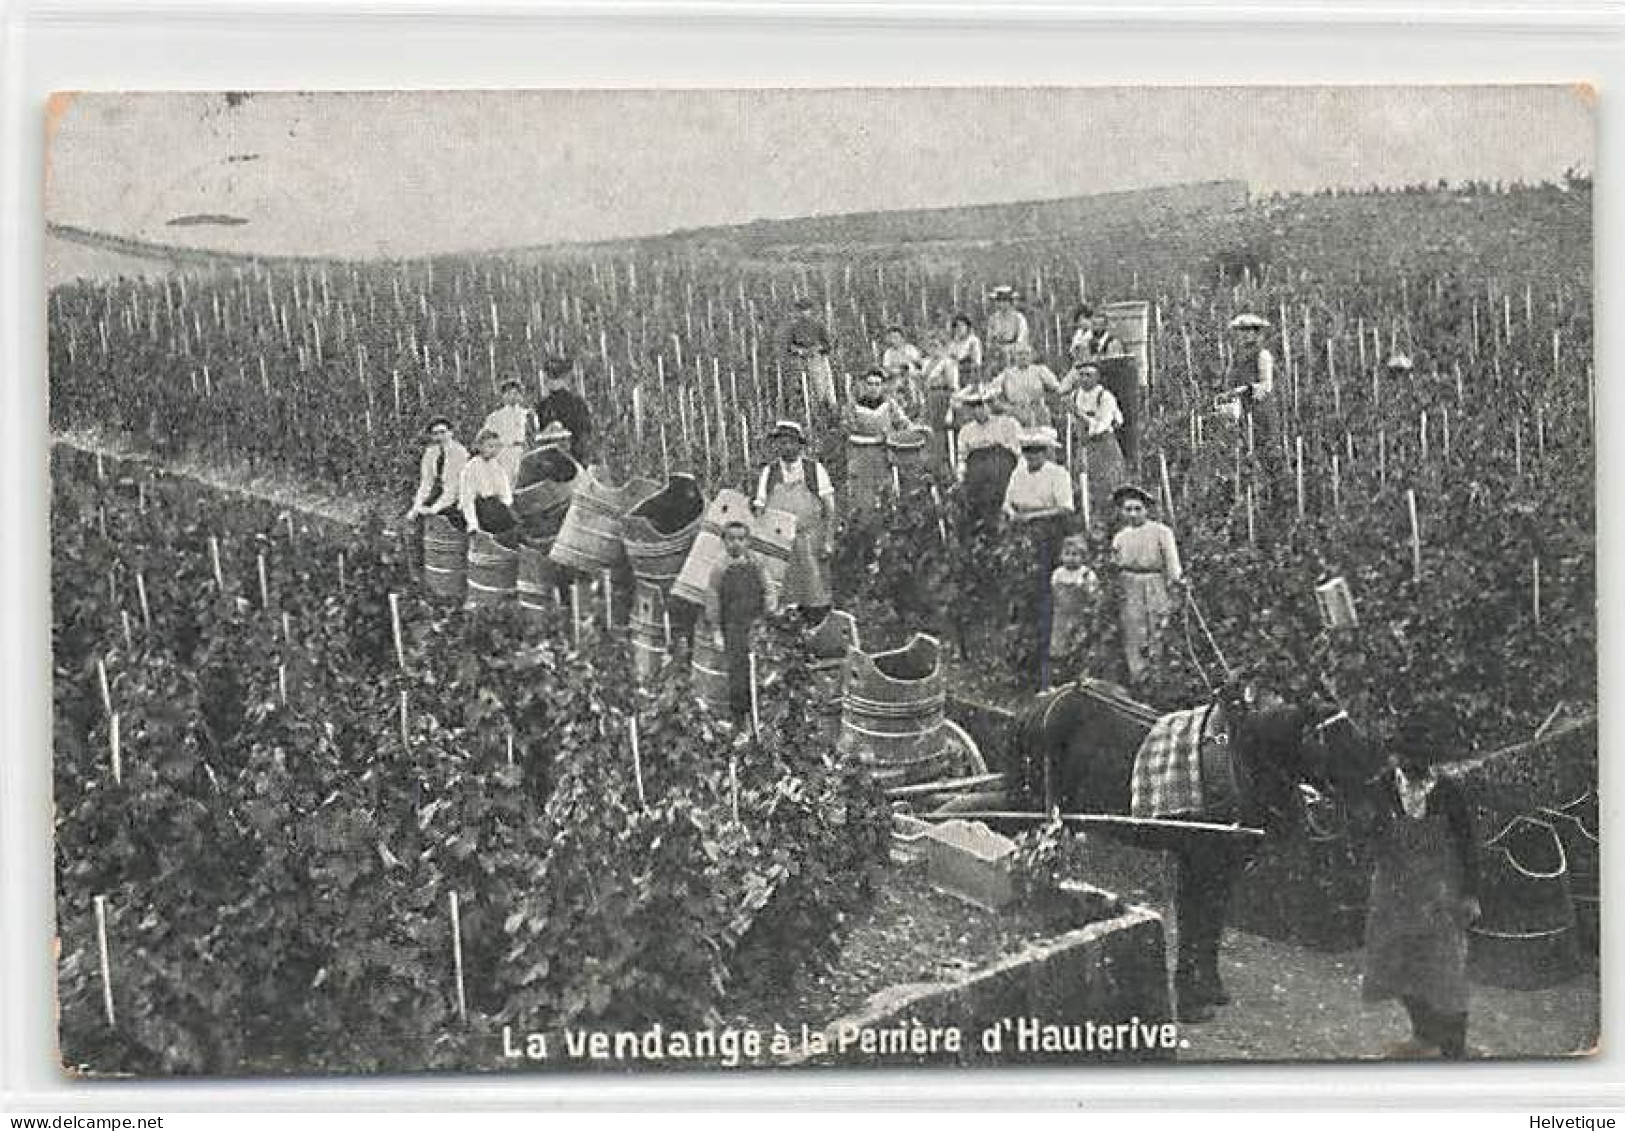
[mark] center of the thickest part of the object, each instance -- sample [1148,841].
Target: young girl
[1074,589]
[1423,896]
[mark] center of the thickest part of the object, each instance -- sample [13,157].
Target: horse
[1077,748]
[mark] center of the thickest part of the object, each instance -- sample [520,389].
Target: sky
[412,173]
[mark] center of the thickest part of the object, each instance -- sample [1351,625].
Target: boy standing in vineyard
[736,601]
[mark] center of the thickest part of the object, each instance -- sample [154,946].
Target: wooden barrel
[537,580]
[892,708]
[659,532]
[827,648]
[1526,937]
[445,558]
[1576,826]
[709,666]
[493,570]
[649,643]
[547,479]
[590,539]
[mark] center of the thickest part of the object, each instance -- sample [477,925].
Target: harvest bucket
[493,570]
[827,648]
[649,645]
[659,532]
[908,456]
[868,472]
[541,495]
[892,709]
[1576,826]
[1526,937]
[590,539]
[772,535]
[445,558]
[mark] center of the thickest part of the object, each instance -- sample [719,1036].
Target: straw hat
[1044,437]
[1002,292]
[1400,363]
[788,428]
[1249,321]
[554,433]
[1130,491]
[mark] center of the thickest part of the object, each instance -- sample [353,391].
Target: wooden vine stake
[129,637]
[406,724]
[395,629]
[755,709]
[637,761]
[106,688]
[106,960]
[1167,487]
[575,613]
[457,956]
[1252,529]
[116,749]
[141,597]
[1083,497]
[282,683]
[609,601]
[214,562]
[265,587]
[1299,447]
[1534,595]
[1337,486]
[1416,535]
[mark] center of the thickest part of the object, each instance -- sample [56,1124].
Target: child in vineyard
[1149,573]
[941,379]
[737,599]
[1423,897]
[512,425]
[1074,589]
[485,493]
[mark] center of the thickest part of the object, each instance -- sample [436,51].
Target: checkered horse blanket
[1167,778]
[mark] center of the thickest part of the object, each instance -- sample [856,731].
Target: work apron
[1415,940]
[807,581]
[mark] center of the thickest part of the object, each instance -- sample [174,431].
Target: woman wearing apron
[1097,417]
[800,486]
[1148,571]
[1006,326]
[941,378]
[870,419]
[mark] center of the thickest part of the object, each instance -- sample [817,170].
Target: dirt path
[280,491]
[1293,1003]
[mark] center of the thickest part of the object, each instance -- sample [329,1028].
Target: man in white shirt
[439,473]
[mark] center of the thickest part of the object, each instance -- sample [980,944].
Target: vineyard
[325,373]
[429,822]
[414,838]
